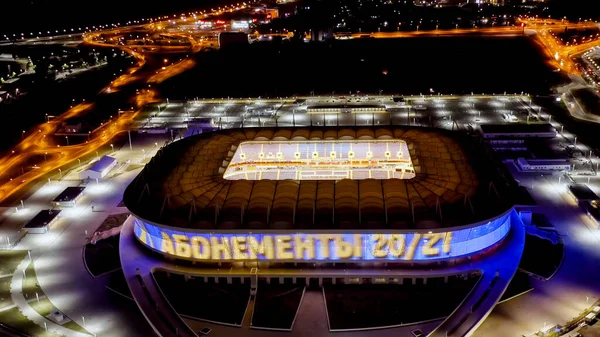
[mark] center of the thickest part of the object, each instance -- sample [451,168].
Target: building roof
[102,164]
[545,162]
[183,185]
[583,192]
[69,194]
[346,106]
[517,128]
[43,218]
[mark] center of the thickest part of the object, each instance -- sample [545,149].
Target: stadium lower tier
[349,305]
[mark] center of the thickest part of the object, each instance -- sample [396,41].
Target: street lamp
[112,147]
[67,138]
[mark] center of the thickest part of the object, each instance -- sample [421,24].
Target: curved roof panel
[183,186]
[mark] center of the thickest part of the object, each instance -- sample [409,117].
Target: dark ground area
[587,132]
[589,100]
[276,305]
[541,256]
[103,256]
[224,303]
[415,65]
[365,306]
[118,284]
[55,97]
[520,284]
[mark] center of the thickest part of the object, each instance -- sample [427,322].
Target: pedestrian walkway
[19,300]
[60,270]
[572,289]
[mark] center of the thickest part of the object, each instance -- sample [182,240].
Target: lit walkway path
[58,261]
[137,261]
[64,278]
[23,305]
[573,288]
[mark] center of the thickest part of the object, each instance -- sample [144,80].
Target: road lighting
[67,138]
[112,147]
[60,172]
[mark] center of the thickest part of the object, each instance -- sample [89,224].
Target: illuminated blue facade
[325,246]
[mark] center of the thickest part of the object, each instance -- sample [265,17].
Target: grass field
[44,306]
[112,221]
[30,283]
[9,260]
[5,299]
[13,319]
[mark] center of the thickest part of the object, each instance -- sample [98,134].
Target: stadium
[363,214]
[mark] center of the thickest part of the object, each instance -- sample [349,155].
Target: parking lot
[447,112]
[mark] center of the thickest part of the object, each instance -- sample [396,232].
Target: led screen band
[322,246]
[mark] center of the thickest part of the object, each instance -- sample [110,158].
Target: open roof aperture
[321,160]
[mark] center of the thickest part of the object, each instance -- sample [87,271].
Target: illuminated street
[338,213]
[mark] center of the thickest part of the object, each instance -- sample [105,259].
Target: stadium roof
[183,186]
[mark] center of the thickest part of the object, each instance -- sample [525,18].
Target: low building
[68,197]
[581,192]
[100,168]
[544,164]
[490,131]
[345,108]
[41,222]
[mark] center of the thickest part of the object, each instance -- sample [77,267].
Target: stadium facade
[312,196]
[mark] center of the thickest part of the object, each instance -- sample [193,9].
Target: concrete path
[573,288]
[19,300]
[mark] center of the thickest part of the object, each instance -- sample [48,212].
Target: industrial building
[68,197]
[42,221]
[490,131]
[542,165]
[99,169]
